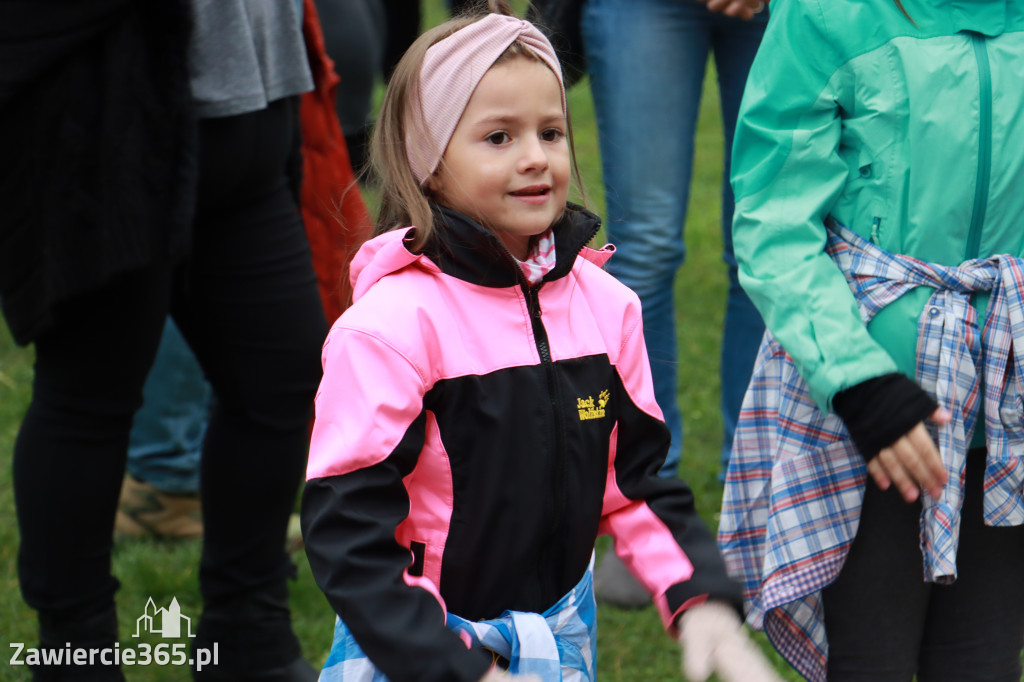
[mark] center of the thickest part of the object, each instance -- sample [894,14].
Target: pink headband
[452,68]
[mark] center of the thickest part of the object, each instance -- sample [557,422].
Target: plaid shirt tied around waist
[796,481]
[559,644]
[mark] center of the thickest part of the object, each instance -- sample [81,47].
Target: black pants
[885,623]
[248,305]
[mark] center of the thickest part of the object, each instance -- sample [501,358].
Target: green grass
[632,645]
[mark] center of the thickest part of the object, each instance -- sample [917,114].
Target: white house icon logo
[165,622]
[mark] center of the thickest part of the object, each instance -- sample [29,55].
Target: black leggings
[885,623]
[248,305]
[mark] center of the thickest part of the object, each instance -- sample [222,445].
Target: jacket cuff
[685,595]
[879,411]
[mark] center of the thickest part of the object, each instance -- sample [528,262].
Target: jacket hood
[467,250]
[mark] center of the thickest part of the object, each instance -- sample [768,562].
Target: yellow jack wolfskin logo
[588,409]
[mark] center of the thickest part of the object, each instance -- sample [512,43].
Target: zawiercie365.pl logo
[169,623]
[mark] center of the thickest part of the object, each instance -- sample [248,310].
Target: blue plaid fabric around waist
[559,644]
[795,484]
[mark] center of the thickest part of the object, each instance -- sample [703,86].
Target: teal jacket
[910,133]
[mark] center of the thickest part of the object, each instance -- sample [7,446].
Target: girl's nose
[534,155]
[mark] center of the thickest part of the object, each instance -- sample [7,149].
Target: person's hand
[912,463]
[713,641]
[498,675]
[744,9]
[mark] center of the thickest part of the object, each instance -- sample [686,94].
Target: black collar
[464,248]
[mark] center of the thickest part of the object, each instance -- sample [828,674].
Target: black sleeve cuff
[879,411]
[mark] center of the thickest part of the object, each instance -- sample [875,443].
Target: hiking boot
[615,585]
[144,511]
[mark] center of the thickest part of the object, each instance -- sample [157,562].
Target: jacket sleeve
[786,175]
[657,531]
[368,433]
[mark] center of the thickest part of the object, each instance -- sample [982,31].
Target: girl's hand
[713,641]
[912,463]
[744,9]
[498,675]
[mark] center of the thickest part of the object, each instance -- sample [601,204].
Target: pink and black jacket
[500,429]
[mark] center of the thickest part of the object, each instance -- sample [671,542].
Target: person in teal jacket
[873,509]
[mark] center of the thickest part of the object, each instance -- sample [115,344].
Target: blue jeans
[646,60]
[168,430]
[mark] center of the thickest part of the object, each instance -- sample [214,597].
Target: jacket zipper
[984,147]
[540,336]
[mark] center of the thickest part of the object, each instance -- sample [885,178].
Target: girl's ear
[434,184]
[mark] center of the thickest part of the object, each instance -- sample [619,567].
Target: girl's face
[507,164]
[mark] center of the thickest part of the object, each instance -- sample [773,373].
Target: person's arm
[884,417]
[662,539]
[653,519]
[368,433]
[786,174]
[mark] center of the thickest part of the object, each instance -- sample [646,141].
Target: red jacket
[336,219]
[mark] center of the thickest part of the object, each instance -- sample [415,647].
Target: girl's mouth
[535,194]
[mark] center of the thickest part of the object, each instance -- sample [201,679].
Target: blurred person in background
[646,60]
[153,168]
[873,507]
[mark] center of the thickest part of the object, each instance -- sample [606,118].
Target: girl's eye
[498,138]
[551,135]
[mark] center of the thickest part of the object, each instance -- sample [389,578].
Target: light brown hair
[900,5]
[402,201]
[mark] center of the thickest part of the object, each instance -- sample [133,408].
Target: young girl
[486,409]
[879,176]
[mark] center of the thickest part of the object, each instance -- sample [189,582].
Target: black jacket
[477,434]
[97,147]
